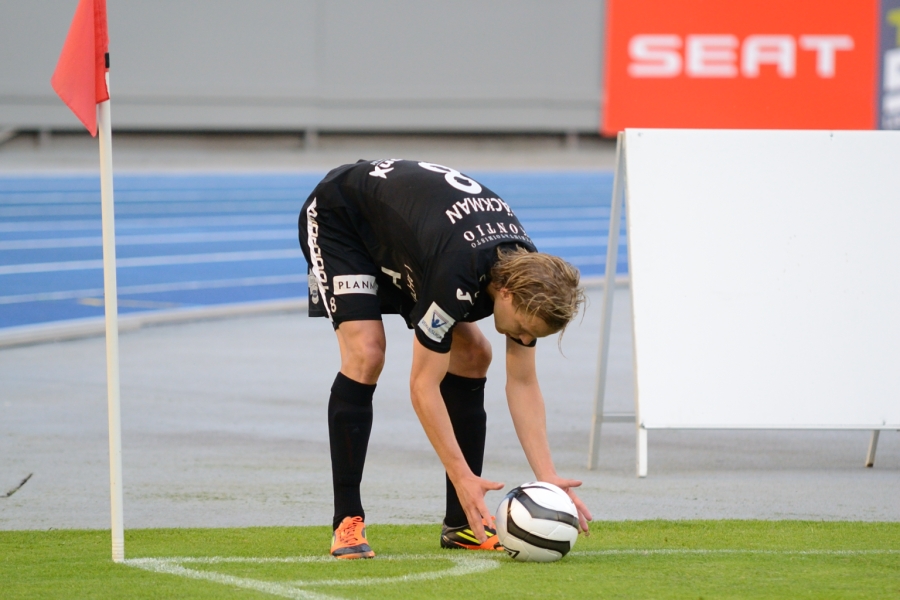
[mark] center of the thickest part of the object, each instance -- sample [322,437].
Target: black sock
[464,398]
[349,426]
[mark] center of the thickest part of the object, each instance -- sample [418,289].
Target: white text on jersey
[393,275]
[470,205]
[382,168]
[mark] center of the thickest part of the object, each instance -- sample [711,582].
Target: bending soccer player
[437,247]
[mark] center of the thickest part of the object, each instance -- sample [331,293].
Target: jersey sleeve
[531,345]
[447,297]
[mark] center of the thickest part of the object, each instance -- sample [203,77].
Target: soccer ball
[537,522]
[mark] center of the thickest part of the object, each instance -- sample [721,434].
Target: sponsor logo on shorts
[436,322]
[354,284]
[313,288]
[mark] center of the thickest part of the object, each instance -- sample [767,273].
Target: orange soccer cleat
[462,537]
[349,540]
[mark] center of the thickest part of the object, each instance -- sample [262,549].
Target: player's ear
[496,292]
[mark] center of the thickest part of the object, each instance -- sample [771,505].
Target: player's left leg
[337,257]
[463,393]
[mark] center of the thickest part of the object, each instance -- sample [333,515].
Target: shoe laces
[350,533]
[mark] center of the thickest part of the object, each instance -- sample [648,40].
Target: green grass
[636,559]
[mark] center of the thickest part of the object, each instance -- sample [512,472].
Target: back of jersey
[423,210]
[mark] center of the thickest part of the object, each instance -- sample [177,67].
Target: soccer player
[443,251]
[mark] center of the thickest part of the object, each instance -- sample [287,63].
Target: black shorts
[345,284]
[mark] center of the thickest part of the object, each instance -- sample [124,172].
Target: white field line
[167,566]
[151,261]
[152,288]
[726,551]
[152,240]
[463,565]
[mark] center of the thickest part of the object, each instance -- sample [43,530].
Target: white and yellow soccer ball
[537,522]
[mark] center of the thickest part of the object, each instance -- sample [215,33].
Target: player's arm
[428,369]
[526,406]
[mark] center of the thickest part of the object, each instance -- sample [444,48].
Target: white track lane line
[151,261]
[149,223]
[238,236]
[152,240]
[151,208]
[152,288]
[207,195]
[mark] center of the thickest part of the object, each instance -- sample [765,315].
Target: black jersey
[433,232]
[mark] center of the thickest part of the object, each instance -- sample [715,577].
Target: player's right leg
[343,288]
[362,346]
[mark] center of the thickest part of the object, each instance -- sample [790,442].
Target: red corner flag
[80,76]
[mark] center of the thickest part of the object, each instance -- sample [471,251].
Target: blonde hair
[541,285]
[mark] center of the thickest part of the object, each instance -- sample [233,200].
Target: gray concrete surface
[224,425]
[30,153]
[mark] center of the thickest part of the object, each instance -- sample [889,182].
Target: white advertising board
[765,277]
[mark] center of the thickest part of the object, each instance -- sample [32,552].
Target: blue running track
[208,239]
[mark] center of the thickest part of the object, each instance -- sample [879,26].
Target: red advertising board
[768,64]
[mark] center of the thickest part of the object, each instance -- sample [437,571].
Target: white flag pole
[112,330]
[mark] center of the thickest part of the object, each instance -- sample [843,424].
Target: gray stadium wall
[329,65]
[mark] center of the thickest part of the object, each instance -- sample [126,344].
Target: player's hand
[566,485]
[471,490]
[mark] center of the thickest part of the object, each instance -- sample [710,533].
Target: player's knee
[482,354]
[367,358]
[362,350]
[472,359]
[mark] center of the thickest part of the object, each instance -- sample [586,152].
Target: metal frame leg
[641,452]
[609,290]
[873,445]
